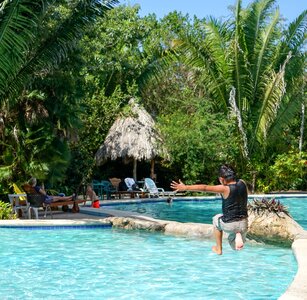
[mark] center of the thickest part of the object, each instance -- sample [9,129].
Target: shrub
[261,206]
[288,171]
[6,212]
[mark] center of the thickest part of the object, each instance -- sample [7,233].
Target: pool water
[182,211]
[297,208]
[117,264]
[202,211]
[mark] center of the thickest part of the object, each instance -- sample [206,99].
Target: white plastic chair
[152,189]
[19,202]
[129,183]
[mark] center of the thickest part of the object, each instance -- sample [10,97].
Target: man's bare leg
[239,241]
[59,198]
[218,240]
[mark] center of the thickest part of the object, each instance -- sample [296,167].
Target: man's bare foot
[216,250]
[239,241]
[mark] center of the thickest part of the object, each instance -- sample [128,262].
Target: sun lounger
[36,201]
[154,191]
[132,194]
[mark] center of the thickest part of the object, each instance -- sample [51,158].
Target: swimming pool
[117,264]
[202,210]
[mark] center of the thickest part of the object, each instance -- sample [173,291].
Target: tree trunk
[302,128]
[152,169]
[134,169]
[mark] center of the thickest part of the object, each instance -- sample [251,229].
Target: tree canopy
[219,90]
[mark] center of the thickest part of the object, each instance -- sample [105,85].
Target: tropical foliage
[261,206]
[6,212]
[252,67]
[198,141]
[221,90]
[39,103]
[288,172]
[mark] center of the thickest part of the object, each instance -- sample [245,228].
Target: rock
[168,227]
[189,229]
[272,228]
[135,223]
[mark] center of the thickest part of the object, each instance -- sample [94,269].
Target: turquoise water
[181,211]
[297,208]
[115,264]
[202,211]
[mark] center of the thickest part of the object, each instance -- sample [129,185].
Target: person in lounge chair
[234,207]
[92,195]
[48,199]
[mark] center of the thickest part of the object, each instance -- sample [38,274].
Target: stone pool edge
[298,288]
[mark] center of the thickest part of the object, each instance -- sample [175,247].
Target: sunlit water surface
[115,264]
[202,211]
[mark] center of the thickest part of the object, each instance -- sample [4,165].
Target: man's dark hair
[227,172]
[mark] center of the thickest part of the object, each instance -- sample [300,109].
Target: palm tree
[30,47]
[252,68]
[36,37]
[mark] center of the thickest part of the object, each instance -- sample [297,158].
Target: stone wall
[273,228]
[168,227]
[266,227]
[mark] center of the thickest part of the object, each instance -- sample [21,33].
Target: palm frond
[18,25]
[46,54]
[202,53]
[237,54]
[274,91]
[217,37]
[295,36]
[217,45]
[254,23]
[264,56]
[294,40]
[214,81]
[160,61]
[238,61]
[287,111]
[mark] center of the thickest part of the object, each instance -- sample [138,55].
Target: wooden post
[134,169]
[152,169]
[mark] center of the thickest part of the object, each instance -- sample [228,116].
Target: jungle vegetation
[221,90]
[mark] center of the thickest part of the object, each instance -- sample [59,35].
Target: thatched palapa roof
[134,136]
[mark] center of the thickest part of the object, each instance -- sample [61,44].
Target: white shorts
[231,228]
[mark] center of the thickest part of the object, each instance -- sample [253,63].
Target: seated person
[92,195]
[48,199]
[122,186]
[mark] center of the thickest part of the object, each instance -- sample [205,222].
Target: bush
[287,173]
[261,206]
[6,212]
[198,142]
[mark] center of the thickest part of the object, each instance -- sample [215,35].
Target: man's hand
[178,186]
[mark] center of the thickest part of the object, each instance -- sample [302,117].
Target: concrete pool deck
[92,216]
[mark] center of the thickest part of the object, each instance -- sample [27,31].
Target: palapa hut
[133,137]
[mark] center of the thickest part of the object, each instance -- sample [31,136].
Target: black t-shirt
[235,206]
